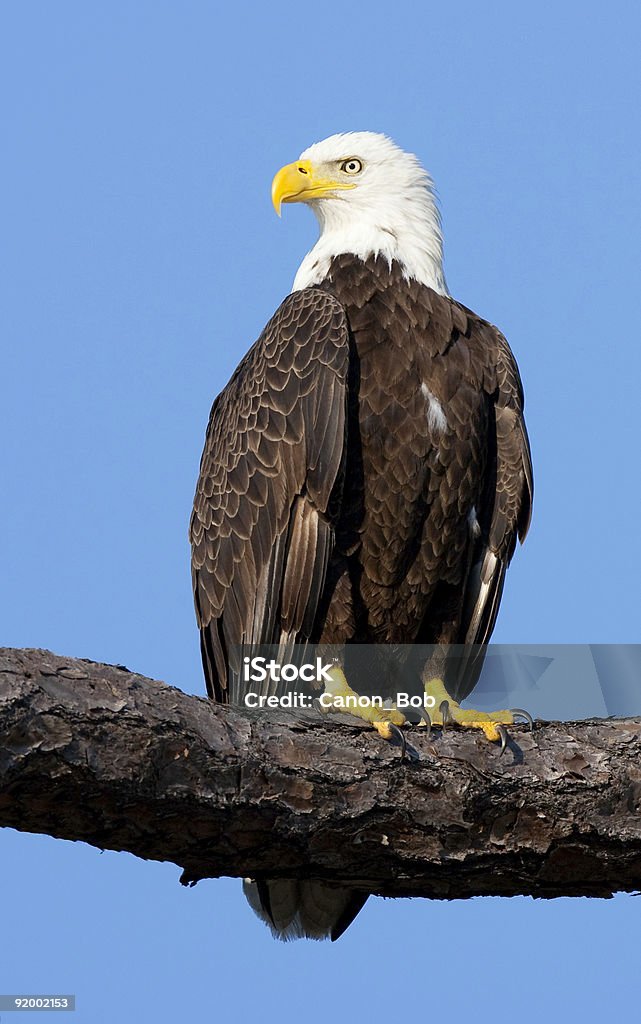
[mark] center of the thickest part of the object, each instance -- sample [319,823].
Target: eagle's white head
[371,199]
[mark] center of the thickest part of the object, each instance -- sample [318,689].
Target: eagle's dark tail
[303,909]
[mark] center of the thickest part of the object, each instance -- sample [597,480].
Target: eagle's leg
[444,709]
[386,719]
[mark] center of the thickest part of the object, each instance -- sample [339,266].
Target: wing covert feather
[260,533]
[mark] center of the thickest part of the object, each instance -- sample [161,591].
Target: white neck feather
[405,228]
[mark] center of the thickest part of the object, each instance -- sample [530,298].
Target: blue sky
[142,258]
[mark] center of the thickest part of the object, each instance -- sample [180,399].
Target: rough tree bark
[98,753]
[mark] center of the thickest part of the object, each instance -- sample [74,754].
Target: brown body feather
[366,474]
[332,505]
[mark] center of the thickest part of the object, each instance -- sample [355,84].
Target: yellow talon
[468,718]
[339,696]
[490,730]
[383,729]
[385,717]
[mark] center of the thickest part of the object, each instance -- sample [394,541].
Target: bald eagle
[366,470]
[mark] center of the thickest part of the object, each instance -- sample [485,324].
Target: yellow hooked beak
[298,182]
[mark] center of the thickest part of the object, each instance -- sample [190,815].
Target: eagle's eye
[351,166]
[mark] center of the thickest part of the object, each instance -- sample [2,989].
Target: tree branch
[97,753]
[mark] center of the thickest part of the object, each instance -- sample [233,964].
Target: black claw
[503,733]
[412,754]
[425,715]
[524,714]
[444,709]
[408,753]
[399,736]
